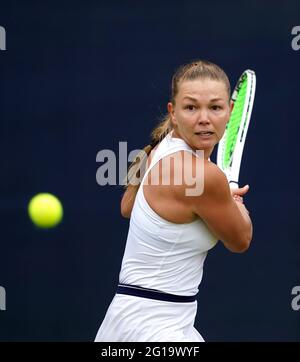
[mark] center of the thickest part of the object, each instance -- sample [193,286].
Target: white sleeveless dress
[159,255]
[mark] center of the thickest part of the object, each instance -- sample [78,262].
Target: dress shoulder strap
[166,147]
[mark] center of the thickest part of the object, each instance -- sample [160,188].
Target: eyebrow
[195,99]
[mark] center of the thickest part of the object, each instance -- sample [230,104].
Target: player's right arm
[227,219]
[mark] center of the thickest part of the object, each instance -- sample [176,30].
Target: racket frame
[233,169]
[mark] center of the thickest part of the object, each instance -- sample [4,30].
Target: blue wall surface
[81,76]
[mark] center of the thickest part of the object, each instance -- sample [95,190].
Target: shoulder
[215,180]
[205,175]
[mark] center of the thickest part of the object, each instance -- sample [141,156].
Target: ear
[171,112]
[231,105]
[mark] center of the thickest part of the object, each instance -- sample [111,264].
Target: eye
[190,107]
[216,107]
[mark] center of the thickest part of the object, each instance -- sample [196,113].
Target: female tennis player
[171,231]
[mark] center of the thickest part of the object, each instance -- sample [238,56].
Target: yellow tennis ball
[45,210]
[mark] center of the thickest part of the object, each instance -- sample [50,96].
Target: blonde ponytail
[137,168]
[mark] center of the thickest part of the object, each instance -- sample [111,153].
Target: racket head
[230,148]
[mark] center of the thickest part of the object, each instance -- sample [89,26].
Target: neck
[207,152]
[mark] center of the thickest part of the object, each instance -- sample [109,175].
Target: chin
[204,145]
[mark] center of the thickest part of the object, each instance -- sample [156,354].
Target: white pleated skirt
[136,319]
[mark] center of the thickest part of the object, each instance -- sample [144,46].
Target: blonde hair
[197,69]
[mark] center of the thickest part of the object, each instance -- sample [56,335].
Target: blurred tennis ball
[45,210]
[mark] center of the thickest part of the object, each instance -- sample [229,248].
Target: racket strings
[234,123]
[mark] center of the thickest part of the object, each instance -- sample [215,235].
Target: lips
[204,133]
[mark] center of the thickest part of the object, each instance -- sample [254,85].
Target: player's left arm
[131,191]
[128,201]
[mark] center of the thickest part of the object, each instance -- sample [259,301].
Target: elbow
[125,210]
[242,248]
[128,201]
[125,213]
[241,245]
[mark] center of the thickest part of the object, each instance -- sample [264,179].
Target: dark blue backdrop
[78,77]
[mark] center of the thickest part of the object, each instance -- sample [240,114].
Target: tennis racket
[231,146]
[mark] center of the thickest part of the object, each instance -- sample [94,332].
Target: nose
[203,118]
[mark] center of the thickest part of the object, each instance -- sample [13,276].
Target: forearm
[246,219]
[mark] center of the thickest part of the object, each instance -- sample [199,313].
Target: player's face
[200,113]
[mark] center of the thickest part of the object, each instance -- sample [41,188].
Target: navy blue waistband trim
[153,294]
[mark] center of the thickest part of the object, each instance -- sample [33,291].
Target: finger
[242,190]
[238,199]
